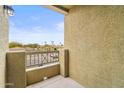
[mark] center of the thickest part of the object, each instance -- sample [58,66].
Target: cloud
[35,18]
[60,26]
[12,23]
[34,34]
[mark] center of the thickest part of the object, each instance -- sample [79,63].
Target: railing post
[64,62]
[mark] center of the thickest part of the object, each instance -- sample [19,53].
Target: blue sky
[36,24]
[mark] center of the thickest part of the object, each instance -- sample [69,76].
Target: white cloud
[38,29]
[35,18]
[60,26]
[12,23]
[36,34]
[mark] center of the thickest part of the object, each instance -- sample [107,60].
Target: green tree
[15,44]
[31,45]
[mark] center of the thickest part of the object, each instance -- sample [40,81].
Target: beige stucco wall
[34,75]
[16,71]
[64,62]
[61,60]
[3,45]
[94,36]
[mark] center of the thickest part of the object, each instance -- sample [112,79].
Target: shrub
[15,44]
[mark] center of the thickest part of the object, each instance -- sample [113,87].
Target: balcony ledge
[40,67]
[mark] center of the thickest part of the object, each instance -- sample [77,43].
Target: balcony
[96,49]
[38,69]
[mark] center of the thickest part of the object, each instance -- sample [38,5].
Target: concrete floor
[57,82]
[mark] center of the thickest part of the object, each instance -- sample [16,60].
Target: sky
[36,24]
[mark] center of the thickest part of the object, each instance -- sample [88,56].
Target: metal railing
[41,58]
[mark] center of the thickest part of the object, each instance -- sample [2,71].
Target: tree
[15,44]
[32,45]
[52,42]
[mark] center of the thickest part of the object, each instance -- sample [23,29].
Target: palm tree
[52,42]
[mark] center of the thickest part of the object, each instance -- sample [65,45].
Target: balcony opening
[36,48]
[37,31]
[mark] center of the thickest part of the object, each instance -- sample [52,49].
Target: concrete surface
[57,82]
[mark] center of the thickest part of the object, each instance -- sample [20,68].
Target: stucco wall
[61,60]
[37,74]
[15,74]
[94,36]
[64,62]
[3,45]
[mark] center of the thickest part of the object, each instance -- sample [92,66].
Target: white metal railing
[41,58]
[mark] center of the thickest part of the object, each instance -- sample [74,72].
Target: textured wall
[16,72]
[35,75]
[61,60]
[94,36]
[64,62]
[3,45]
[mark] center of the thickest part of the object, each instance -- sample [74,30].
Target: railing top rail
[35,52]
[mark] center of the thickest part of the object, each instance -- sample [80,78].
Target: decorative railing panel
[41,58]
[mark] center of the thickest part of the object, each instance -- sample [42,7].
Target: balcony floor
[57,82]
